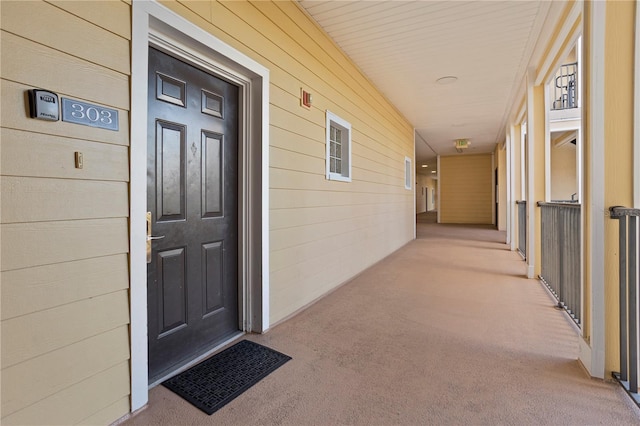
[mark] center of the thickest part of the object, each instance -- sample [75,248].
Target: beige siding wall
[65,307]
[322,232]
[466,189]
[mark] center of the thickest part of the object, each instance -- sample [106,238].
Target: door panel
[213,296]
[171,283]
[170,143]
[212,175]
[192,178]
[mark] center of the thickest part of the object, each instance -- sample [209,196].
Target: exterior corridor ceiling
[404,47]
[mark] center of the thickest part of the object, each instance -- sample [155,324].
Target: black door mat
[216,381]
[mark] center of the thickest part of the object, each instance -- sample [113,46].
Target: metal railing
[561,266]
[565,88]
[629,255]
[522,228]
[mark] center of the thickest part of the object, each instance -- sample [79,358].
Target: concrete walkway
[447,330]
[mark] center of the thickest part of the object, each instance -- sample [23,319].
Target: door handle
[150,237]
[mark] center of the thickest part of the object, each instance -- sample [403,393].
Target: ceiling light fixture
[433,171]
[449,79]
[425,165]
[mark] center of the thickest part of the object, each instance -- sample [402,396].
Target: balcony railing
[561,270]
[629,255]
[522,228]
[565,93]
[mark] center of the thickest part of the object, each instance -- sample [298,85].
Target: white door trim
[153,23]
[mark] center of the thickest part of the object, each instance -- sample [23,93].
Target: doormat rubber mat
[216,381]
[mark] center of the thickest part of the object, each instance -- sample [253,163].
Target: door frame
[155,25]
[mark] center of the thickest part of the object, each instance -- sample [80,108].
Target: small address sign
[89,114]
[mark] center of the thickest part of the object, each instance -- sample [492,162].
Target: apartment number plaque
[87,114]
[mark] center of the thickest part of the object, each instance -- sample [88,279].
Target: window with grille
[338,148]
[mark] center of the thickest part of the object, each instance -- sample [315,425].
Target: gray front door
[192,195]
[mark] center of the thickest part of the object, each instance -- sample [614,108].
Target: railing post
[633,325]
[562,238]
[628,287]
[623,296]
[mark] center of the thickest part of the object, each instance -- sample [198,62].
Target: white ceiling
[403,47]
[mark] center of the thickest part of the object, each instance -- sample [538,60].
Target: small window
[407,173]
[338,139]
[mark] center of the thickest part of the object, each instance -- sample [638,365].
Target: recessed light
[433,171]
[449,79]
[424,165]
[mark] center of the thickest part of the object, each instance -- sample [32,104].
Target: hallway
[444,331]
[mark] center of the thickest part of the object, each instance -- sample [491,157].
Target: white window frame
[345,175]
[407,173]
